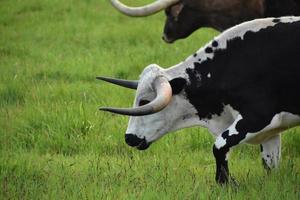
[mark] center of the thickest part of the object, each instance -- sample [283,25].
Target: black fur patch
[276,20]
[177,85]
[276,8]
[208,50]
[222,171]
[257,77]
[215,43]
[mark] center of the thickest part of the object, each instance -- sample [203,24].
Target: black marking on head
[268,156]
[143,102]
[208,50]
[199,59]
[276,20]
[215,43]
[257,88]
[177,85]
[195,54]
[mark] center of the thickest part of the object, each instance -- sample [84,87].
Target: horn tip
[103,109]
[100,77]
[107,109]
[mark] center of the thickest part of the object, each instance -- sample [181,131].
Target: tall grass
[55,144]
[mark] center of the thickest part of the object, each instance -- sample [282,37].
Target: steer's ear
[176,9]
[177,85]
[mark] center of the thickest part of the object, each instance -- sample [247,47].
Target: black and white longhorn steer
[243,86]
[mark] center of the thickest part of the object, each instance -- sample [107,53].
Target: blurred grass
[55,144]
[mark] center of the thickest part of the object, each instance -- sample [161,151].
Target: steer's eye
[143,102]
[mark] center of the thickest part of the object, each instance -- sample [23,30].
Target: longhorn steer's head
[181,19]
[160,106]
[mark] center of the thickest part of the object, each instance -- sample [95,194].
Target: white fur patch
[220,142]
[272,152]
[219,123]
[232,129]
[227,156]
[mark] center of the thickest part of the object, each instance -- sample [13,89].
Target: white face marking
[220,142]
[178,114]
[208,75]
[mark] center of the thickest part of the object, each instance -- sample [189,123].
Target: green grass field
[55,144]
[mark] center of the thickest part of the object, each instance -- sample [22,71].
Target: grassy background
[55,144]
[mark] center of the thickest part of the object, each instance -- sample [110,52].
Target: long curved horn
[163,97]
[143,10]
[120,82]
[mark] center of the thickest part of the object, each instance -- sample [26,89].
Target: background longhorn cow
[183,17]
[242,86]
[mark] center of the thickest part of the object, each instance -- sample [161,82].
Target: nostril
[132,140]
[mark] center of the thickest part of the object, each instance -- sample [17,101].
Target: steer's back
[262,64]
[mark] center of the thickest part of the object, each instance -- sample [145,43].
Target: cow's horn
[163,97]
[120,82]
[143,10]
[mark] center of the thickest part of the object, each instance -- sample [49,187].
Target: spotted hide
[243,86]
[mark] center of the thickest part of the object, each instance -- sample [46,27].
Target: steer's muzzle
[166,39]
[134,141]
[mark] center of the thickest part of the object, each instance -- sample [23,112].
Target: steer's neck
[179,70]
[216,123]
